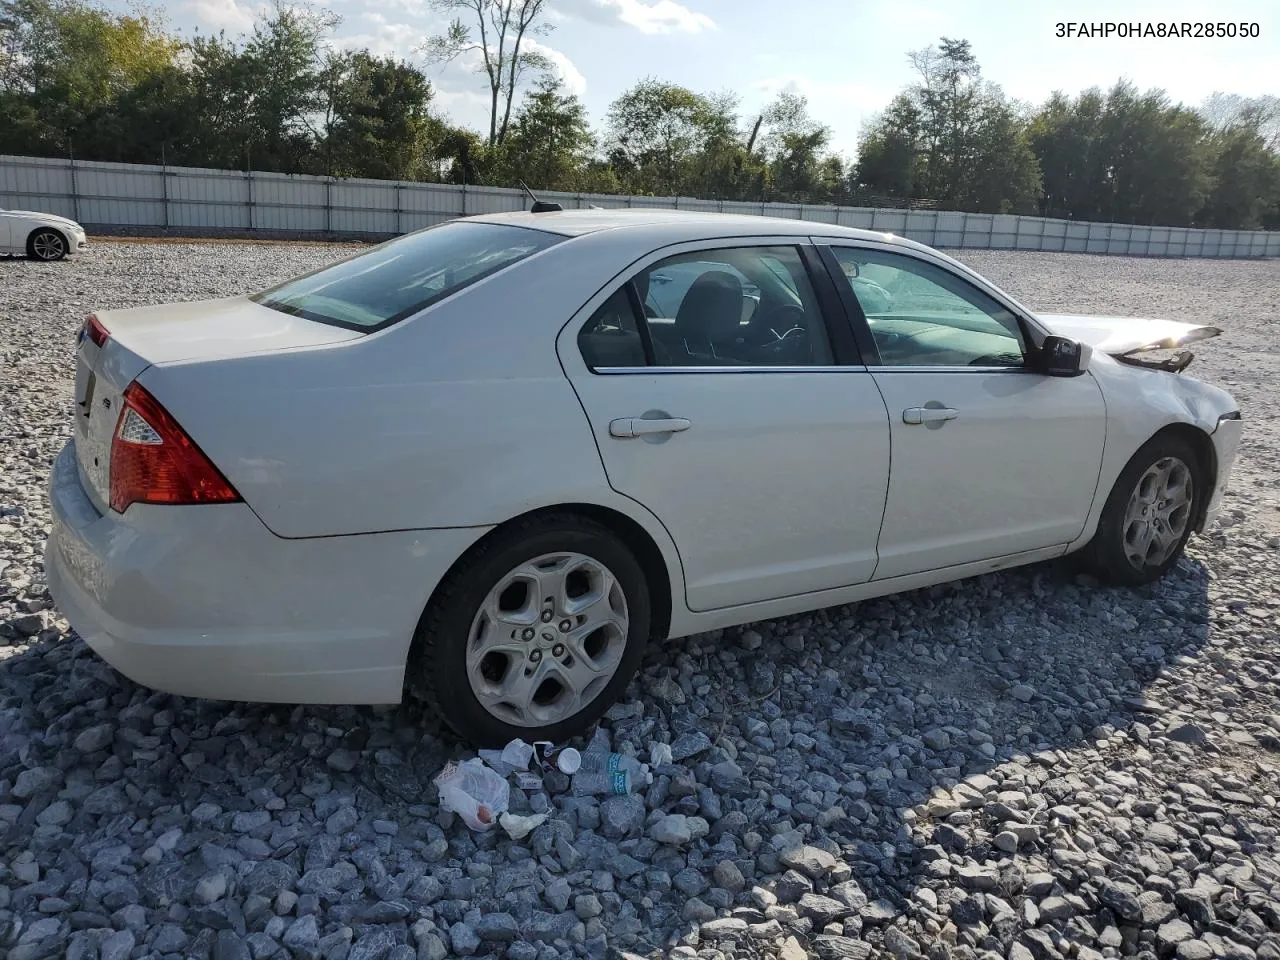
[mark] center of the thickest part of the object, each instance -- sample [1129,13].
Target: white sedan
[40,236]
[492,460]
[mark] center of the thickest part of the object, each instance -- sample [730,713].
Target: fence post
[248,204]
[75,192]
[328,206]
[164,187]
[399,221]
[464,199]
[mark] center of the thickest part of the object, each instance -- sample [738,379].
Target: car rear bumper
[1226,440]
[204,601]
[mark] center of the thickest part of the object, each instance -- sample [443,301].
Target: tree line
[79,80]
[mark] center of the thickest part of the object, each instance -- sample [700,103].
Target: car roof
[692,224]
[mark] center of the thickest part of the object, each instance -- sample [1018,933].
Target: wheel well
[625,529]
[32,235]
[1200,442]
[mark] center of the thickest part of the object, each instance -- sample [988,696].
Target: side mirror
[1061,357]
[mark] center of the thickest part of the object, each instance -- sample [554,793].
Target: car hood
[1125,336]
[37,215]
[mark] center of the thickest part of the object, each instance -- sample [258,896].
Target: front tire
[46,244]
[534,634]
[1149,514]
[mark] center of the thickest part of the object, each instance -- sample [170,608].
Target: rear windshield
[397,279]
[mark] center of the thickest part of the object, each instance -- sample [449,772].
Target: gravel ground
[1019,766]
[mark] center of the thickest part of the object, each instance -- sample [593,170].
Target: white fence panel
[115,195]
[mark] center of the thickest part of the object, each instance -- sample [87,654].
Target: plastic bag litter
[519,827]
[474,792]
[514,756]
[659,754]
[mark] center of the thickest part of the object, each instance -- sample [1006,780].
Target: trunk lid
[171,333]
[215,330]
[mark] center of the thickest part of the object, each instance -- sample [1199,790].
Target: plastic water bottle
[586,784]
[602,772]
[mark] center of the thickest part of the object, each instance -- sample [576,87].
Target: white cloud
[563,67]
[659,16]
[229,15]
[383,37]
[665,16]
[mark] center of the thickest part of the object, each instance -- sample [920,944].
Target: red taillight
[94,330]
[154,461]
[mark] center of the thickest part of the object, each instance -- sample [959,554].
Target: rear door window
[724,307]
[375,289]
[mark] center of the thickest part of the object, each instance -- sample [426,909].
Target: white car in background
[491,460]
[40,236]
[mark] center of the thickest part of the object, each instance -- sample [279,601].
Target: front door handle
[640,427]
[928,414]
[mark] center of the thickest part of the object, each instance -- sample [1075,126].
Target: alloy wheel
[547,639]
[48,245]
[1158,512]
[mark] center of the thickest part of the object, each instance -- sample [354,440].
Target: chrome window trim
[923,368]
[825,368]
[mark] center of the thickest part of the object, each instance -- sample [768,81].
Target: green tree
[795,148]
[888,151]
[66,63]
[656,132]
[505,28]
[283,59]
[550,142]
[377,121]
[722,168]
[1246,179]
[1157,169]
[953,138]
[1065,135]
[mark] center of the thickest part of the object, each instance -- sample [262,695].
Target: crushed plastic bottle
[602,772]
[587,784]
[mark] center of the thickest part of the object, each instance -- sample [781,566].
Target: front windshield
[397,279]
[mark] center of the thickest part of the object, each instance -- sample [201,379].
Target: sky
[848,57]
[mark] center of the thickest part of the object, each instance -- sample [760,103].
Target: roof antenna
[539,206]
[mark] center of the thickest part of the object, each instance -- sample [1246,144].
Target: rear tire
[46,244]
[1149,514]
[534,634]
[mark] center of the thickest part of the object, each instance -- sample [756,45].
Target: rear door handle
[928,414]
[640,427]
